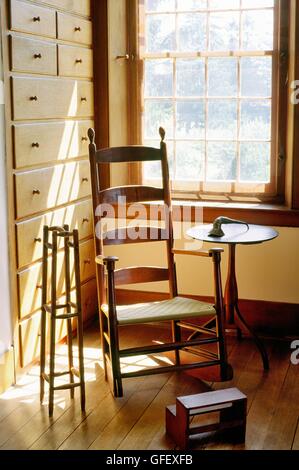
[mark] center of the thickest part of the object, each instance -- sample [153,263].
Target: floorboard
[137,421]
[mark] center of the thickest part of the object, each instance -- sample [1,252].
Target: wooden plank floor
[137,421]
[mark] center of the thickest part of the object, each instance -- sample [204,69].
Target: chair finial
[162,133]
[91,135]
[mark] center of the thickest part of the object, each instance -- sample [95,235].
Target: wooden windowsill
[256,213]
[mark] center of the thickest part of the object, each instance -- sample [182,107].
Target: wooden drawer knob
[36,191]
[85,220]
[84,180]
[35,144]
[84,98]
[36,19]
[77,28]
[37,56]
[37,240]
[78,61]
[84,139]
[39,286]
[33,98]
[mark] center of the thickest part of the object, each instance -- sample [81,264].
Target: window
[211,75]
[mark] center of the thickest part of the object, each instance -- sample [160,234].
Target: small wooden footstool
[230,402]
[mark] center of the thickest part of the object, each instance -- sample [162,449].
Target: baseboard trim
[276,319]
[7,370]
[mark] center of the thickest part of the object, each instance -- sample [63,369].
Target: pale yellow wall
[265,272]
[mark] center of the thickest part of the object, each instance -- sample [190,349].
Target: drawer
[74,29]
[30,337]
[32,19]
[75,62]
[89,300]
[30,233]
[41,98]
[36,144]
[39,190]
[30,329]
[32,56]
[82,7]
[30,280]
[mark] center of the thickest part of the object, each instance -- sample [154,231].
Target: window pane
[190,119]
[222,119]
[224,31]
[224,4]
[158,78]
[160,33]
[190,77]
[256,119]
[261,69]
[257,3]
[153,169]
[222,77]
[191,4]
[190,158]
[160,5]
[192,32]
[255,161]
[158,113]
[257,30]
[222,161]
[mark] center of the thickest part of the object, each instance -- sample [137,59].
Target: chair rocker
[178,311]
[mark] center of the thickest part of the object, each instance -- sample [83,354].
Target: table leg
[232,307]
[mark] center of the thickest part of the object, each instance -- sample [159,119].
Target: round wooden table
[235,234]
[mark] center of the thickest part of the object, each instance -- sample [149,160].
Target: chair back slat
[130,235]
[132,194]
[133,153]
[140,274]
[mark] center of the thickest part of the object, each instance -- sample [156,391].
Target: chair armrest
[204,253]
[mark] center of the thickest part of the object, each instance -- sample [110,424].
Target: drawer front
[39,190]
[30,280]
[36,144]
[74,29]
[41,98]
[32,56]
[82,7]
[32,19]
[89,300]
[75,62]
[30,329]
[30,337]
[30,233]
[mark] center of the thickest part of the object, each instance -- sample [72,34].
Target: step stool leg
[44,314]
[79,318]
[182,426]
[53,323]
[69,309]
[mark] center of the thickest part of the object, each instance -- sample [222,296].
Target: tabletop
[234,233]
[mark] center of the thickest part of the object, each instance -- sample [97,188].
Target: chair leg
[176,336]
[117,387]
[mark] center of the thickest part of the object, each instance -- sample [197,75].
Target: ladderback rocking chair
[179,311]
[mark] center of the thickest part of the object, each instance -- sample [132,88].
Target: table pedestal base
[232,310]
